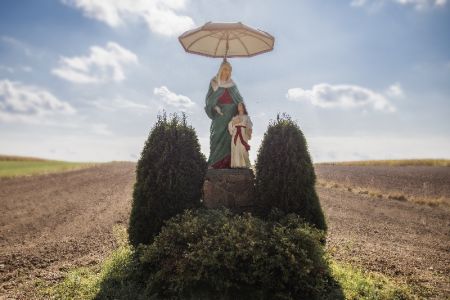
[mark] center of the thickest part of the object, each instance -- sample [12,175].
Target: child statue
[240,128]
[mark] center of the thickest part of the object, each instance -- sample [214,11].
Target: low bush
[214,254]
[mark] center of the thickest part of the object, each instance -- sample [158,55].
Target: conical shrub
[285,177]
[169,177]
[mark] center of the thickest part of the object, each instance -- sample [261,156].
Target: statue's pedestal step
[232,188]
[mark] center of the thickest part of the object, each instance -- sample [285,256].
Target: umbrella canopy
[226,40]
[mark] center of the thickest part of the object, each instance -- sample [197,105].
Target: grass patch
[15,166]
[119,277]
[113,275]
[79,283]
[392,162]
[358,283]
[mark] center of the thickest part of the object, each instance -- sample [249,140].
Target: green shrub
[285,177]
[214,254]
[169,177]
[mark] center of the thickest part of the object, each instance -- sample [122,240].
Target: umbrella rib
[218,43]
[203,36]
[258,38]
[248,33]
[243,45]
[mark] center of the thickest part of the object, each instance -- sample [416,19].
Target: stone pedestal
[232,188]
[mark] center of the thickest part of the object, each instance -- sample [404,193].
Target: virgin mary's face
[226,73]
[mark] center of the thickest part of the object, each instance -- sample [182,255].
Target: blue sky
[83,80]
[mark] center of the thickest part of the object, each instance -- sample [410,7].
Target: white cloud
[13,70]
[417,4]
[343,95]
[27,68]
[6,68]
[346,148]
[395,91]
[170,98]
[101,65]
[73,147]
[13,42]
[421,4]
[160,15]
[101,129]
[29,104]
[117,103]
[358,2]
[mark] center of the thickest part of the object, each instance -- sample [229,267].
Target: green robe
[220,138]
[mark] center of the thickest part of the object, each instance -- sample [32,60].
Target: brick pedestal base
[232,188]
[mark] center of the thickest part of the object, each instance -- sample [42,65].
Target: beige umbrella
[226,40]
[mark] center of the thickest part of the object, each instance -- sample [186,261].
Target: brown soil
[428,184]
[49,223]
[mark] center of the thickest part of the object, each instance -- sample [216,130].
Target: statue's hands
[219,111]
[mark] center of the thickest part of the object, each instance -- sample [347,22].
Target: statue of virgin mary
[220,106]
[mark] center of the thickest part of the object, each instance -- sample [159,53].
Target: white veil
[216,82]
